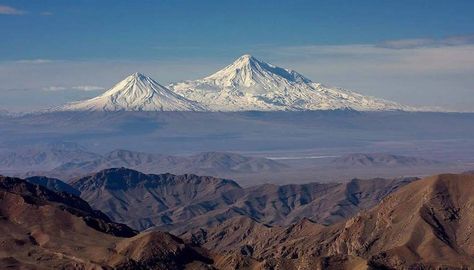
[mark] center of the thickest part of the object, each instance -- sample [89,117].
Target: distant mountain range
[248,84]
[43,156]
[380,160]
[69,160]
[179,203]
[206,163]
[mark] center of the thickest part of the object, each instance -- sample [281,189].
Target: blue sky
[74,48]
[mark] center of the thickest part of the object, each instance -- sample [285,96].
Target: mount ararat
[247,84]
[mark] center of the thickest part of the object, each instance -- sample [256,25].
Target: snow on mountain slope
[250,84]
[247,84]
[137,92]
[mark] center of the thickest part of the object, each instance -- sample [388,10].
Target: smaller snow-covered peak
[135,85]
[137,92]
[246,56]
[245,59]
[137,75]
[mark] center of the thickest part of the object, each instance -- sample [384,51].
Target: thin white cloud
[8,10]
[46,13]
[442,59]
[85,88]
[54,88]
[88,88]
[34,61]
[427,42]
[407,43]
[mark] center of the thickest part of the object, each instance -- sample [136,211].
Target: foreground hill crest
[426,224]
[44,229]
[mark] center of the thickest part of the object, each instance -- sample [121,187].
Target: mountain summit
[251,84]
[137,92]
[247,71]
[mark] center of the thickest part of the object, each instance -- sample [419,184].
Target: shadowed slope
[144,200]
[53,184]
[426,224]
[42,229]
[180,203]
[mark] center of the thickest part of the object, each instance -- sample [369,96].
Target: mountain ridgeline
[400,224]
[426,224]
[180,203]
[68,160]
[381,160]
[247,84]
[44,229]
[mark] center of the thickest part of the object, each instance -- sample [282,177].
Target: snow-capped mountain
[247,84]
[137,92]
[250,84]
